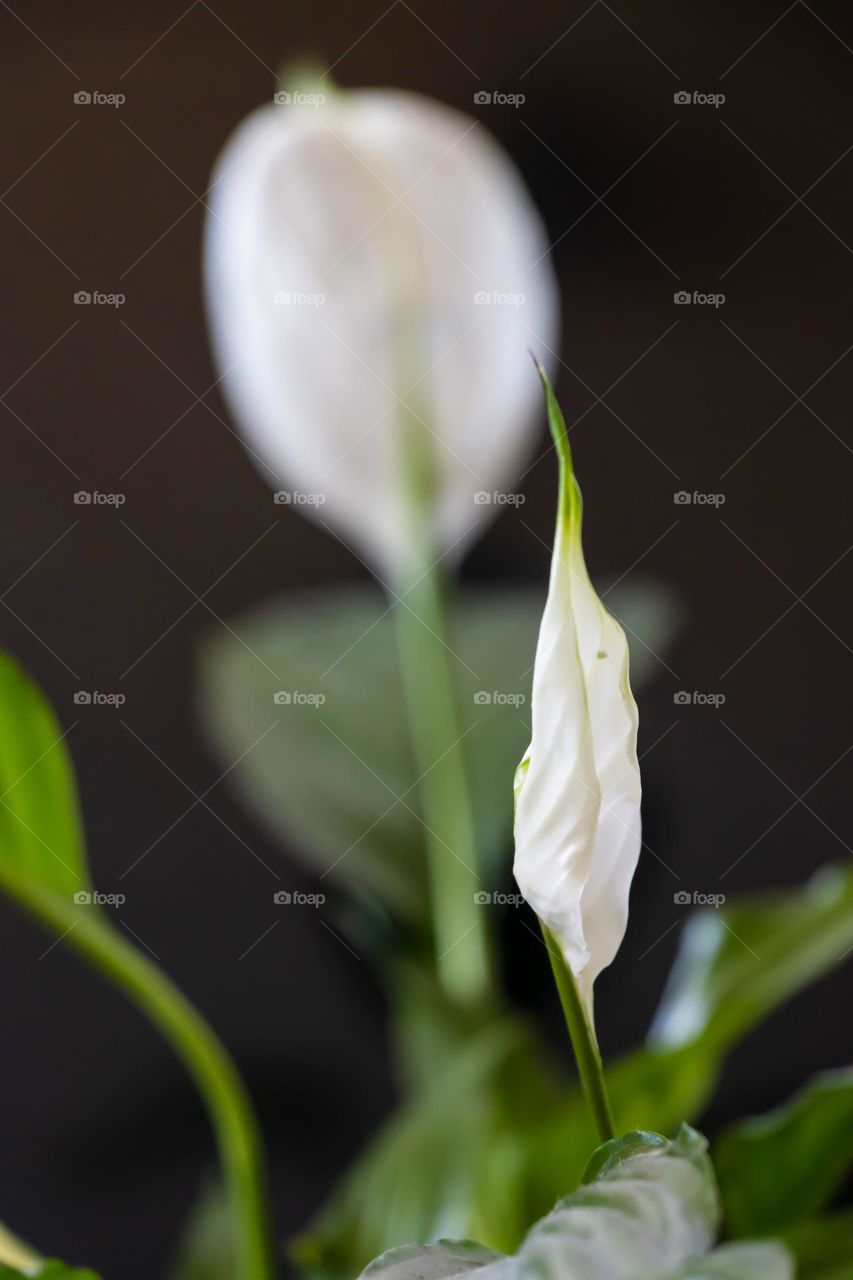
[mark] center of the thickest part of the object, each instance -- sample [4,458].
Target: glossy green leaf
[337,778]
[40,832]
[785,1167]
[646,1210]
[738,963]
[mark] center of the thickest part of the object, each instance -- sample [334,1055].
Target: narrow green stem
[584,1043]
[463,953]
[196,1044]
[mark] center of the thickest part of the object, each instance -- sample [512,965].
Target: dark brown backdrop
[102,1138]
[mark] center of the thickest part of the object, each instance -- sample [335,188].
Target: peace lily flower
[375,270]
[577,825]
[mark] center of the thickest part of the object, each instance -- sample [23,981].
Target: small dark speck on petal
[601,654]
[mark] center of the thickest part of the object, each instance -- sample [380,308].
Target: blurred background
[748,198]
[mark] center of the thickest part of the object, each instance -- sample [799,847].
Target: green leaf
[469,1126]
[441,1261]
[449,1162]
[13,1252]
[722,984]
[647,1210]
[49,1269]
[764,1260]
[338,780]
[40,831]
[738,963]
[206,1250]
[785,1167]
[823,1248]
[37,788]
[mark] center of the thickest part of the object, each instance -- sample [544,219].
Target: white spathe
[577,823]
[375,272]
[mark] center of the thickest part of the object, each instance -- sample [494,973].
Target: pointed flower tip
[559,431]
[540,368]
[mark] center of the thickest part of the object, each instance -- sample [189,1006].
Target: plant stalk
[460,927]
[197,1045]
[584,1042]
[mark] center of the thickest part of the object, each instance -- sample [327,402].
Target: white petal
[578,806]
[398,212]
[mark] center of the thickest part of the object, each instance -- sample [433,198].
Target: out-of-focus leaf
[338,779]
[448,1164]
[758,1260]
[660,1089]
[536,1156]
[647,1210]
[206,1250]
[444,1260]
[14,1253]
[48,1269]
[40,832]
[782,1168]
[738,963]
[721,985]
[823,1248]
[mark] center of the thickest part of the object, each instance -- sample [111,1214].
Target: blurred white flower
[375,271]
[577,826]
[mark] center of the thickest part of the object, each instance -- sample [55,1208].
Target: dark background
[102,1138]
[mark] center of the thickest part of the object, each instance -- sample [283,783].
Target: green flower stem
[196,1044]
[462,949]
[584,1043]
[459,925]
